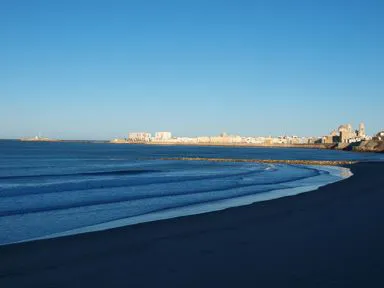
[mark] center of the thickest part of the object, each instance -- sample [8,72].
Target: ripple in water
[69,189]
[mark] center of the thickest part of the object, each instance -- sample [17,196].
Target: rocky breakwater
[272,161]
[368,146]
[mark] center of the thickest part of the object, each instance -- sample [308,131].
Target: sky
[100,69]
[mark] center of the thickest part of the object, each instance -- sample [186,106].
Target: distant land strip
[295,162]
[375,146]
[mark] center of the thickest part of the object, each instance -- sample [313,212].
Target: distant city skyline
[344,134]
[350,132]
[101,69]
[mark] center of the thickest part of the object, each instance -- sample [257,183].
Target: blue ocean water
[52,189]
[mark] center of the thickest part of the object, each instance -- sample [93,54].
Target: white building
[203,139]
[186,140]
[380,135]
[163,136]
[139,136]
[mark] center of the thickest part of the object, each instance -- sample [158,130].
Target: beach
[331,237]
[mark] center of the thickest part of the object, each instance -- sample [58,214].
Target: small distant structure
[361,131]
[118,141]
[38,139]
[379,136]
[139,137]
[346,133]
[163,136]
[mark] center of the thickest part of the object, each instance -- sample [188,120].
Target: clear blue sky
[100,69]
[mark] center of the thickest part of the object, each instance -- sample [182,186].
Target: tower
[361,130]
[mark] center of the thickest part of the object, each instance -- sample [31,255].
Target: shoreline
[294,187]
[330,237]
[370,146]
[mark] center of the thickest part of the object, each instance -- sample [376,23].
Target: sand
[331,237]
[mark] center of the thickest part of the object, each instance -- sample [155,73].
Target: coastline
[293,188]
[370,146]
[331,237]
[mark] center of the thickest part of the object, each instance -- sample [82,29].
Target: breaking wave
[49,190]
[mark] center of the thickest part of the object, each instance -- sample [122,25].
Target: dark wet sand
[332,237]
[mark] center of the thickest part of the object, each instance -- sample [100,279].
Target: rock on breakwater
[272,161]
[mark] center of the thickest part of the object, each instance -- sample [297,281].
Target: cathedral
[346,134]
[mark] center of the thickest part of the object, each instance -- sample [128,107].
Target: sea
[52,189]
